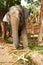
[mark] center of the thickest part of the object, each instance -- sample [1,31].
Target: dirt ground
[9,56]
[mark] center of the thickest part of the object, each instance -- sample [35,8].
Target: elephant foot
[15,43]
[26,48]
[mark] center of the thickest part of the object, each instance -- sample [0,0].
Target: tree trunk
[41,24]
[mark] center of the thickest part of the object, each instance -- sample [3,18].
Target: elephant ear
[6,18]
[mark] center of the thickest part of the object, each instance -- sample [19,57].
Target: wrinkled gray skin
[16,17]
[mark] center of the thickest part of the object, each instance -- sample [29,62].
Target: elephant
[17,16]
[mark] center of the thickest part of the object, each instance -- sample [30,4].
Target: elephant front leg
[15,26]
[24,37]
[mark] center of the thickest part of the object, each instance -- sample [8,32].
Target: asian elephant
[17,16]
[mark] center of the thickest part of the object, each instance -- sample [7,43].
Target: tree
[5,4]
[32,5]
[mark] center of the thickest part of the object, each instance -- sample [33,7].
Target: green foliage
[38,48]
[33,6]
[8,2]
[5,4]
[12,2]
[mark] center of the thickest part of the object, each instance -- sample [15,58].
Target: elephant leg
[15,26]
[24,37]
[3,31]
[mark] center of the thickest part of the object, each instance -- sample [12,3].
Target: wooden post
[41,24]
[41,9]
